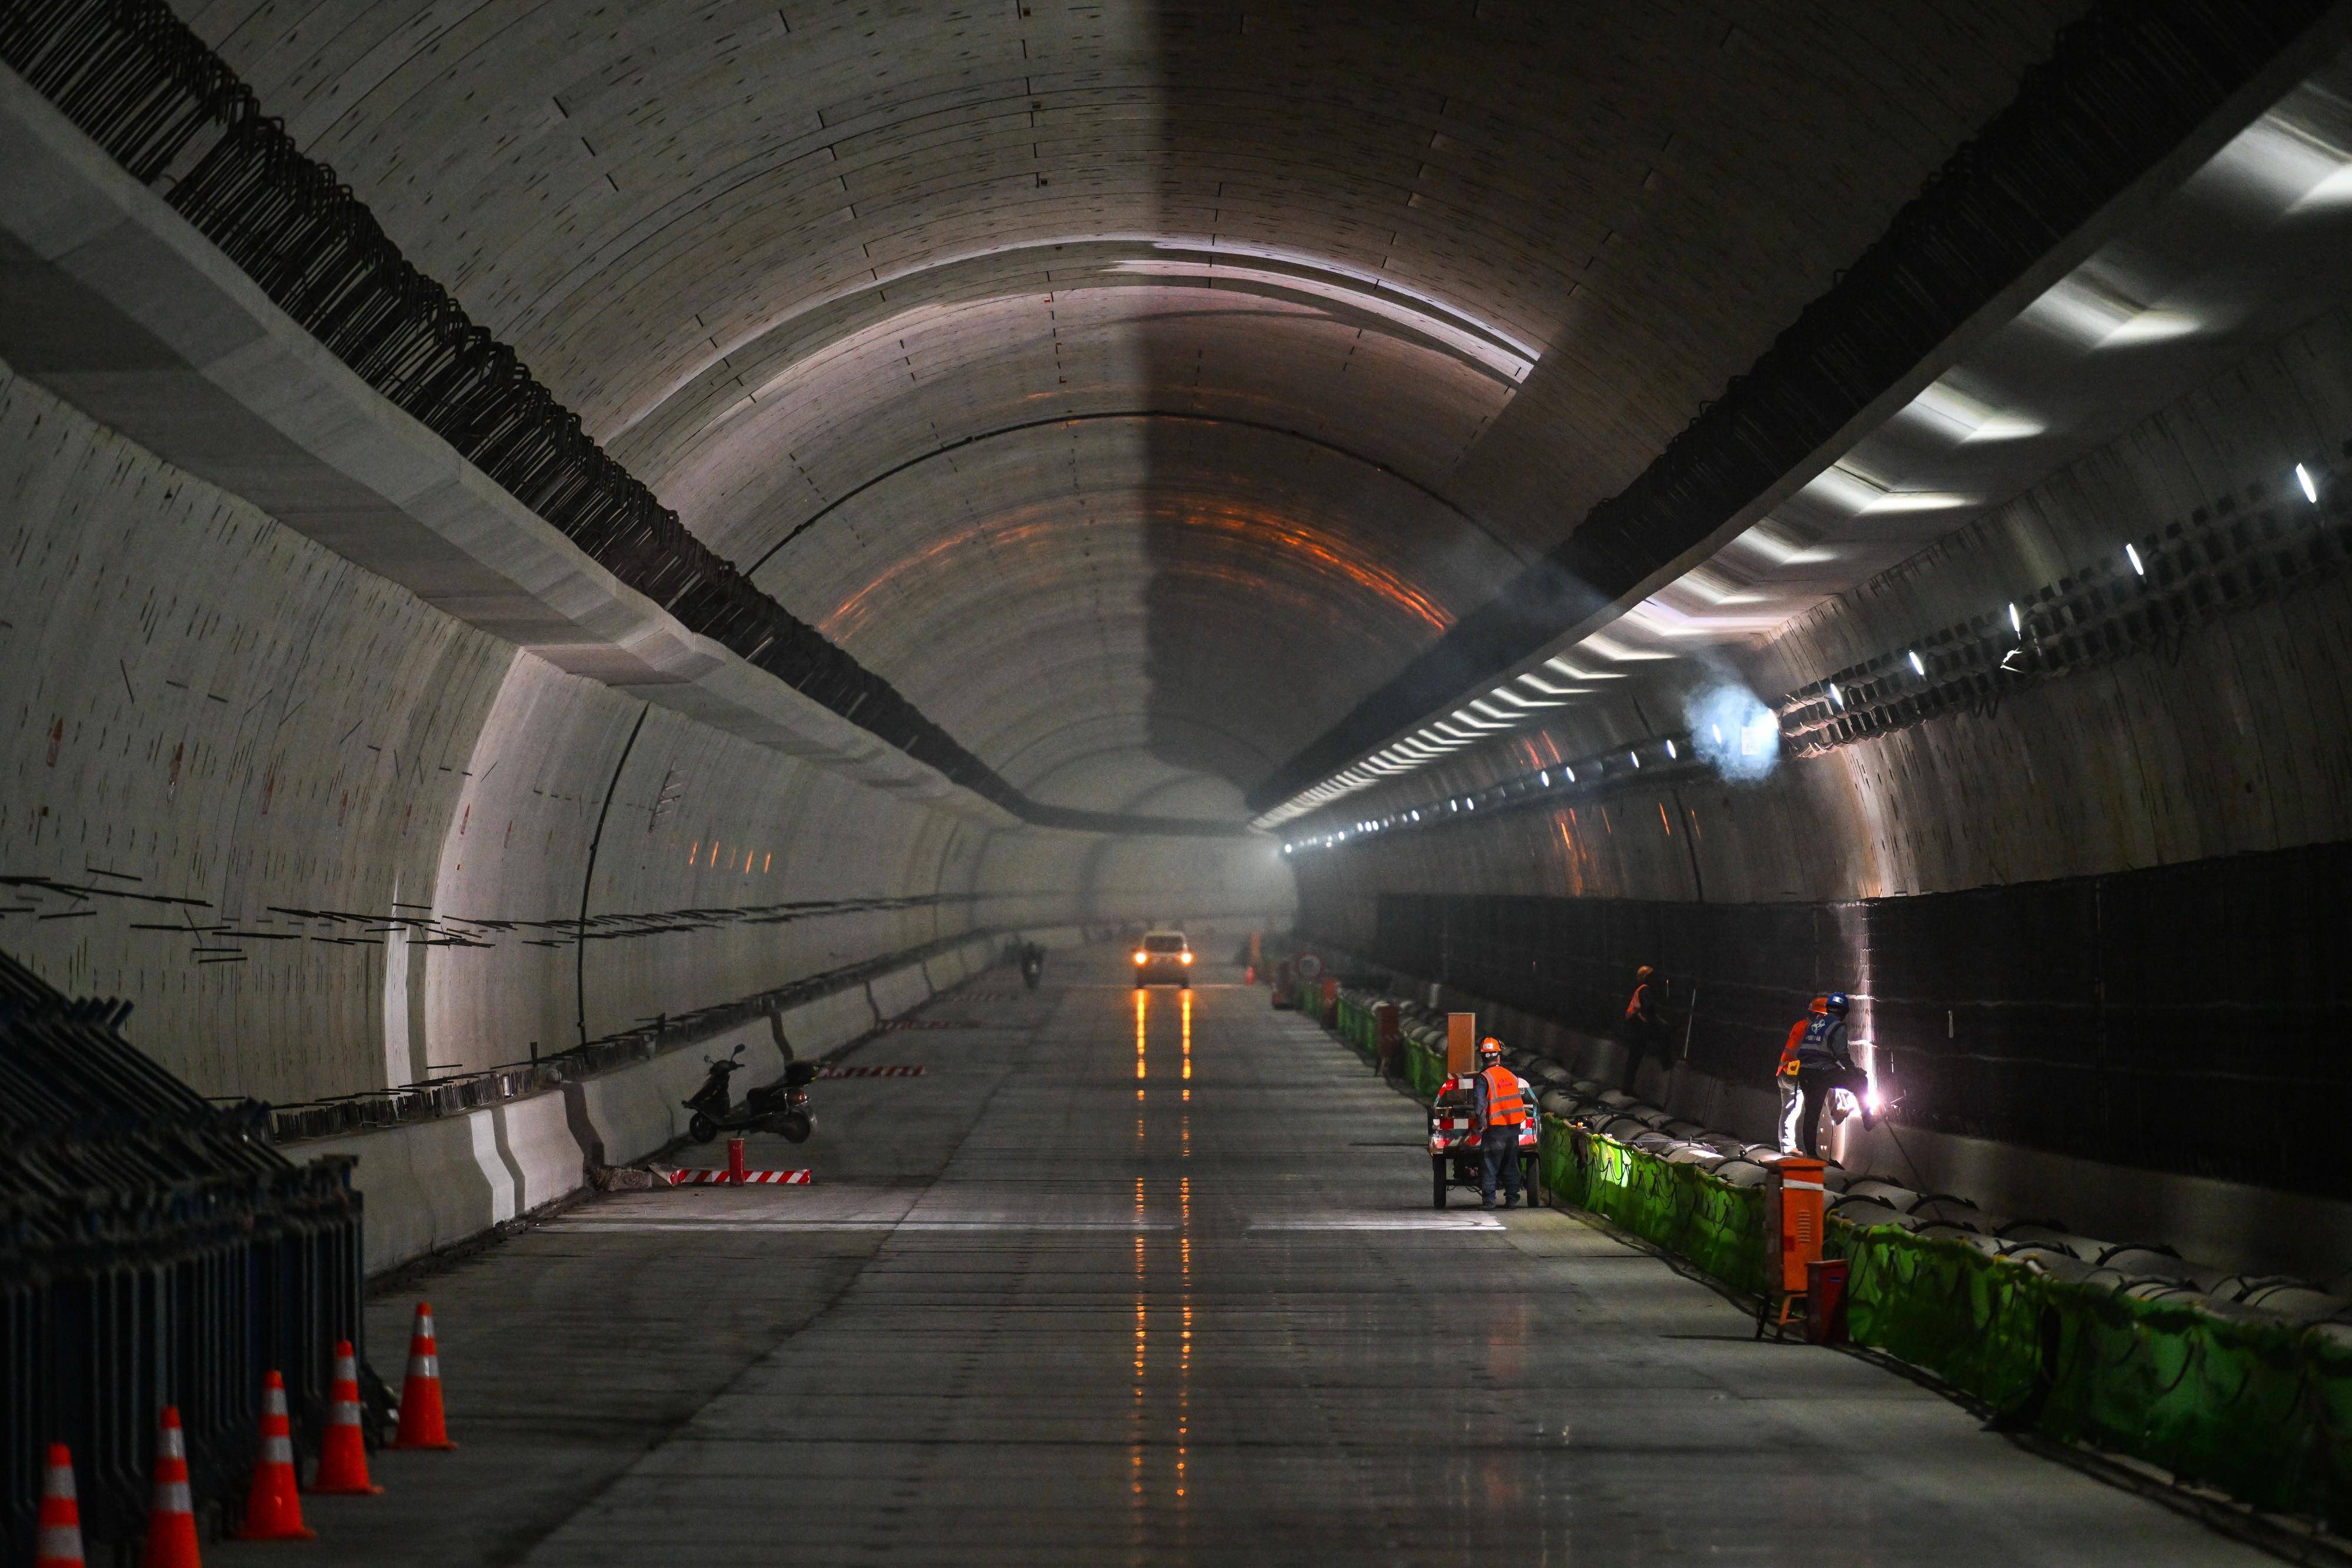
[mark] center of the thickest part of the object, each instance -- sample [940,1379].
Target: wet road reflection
[1175,1294]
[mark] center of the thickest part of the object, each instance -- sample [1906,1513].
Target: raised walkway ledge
[438,1182]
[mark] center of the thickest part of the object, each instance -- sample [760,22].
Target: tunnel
[796,754]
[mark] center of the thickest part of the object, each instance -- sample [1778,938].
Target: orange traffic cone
[58,1541]
[172,1517]
[342,1461]
[421,1422]
[272,1511]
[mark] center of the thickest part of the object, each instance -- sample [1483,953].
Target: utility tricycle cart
[1455,1157]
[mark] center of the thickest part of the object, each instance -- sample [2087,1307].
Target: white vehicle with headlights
[1163,958]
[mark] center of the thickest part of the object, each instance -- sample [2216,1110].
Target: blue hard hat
[1838,1003]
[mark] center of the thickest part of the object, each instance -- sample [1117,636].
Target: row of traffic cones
[273,1509]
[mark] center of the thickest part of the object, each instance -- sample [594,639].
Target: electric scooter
[781,1107]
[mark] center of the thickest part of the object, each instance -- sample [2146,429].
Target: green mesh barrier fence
[1423,1068]
[1563,1173]
[2262,1410]
[1680,1208]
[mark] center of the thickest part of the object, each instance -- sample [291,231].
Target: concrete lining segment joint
[1172,415]
[1494,351]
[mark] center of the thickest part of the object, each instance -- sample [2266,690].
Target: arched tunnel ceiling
[1136,386]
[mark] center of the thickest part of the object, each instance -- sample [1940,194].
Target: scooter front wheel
[701,1128]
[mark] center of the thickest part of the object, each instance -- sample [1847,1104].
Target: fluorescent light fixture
[1544,777]
[1670,750]
[2016,624]
[1578,673]
[2310,489]
[1636,756]
[1536,682]
[1569,772]
[1610,648]
[1917,664]
[1835,696]
[2132,556]
[1718,732]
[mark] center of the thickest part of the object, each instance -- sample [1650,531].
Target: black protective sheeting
[2187,1018]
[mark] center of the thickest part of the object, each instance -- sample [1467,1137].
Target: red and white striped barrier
[869,1073]
[732,1178]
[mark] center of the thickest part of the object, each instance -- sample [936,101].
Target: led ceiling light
[1610,648]
[1575,671]
[1536,682]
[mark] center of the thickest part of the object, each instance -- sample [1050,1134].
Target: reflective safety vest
[1505,1106]
[1639,1002]
[1813,1045]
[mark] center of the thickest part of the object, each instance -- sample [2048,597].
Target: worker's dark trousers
[1814,1084]
[1638,1045]
[1500,1150]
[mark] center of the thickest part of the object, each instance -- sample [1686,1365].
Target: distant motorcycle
[781,1107]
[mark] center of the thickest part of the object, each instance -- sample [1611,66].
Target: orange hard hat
[1820,1004]
[1645,972]
[1490,1046]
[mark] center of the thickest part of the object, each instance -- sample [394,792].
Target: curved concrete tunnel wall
[2106,849]
[943,351]
[212,708]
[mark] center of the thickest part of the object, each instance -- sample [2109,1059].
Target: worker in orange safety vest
[1500,1099]
[1793,1098]
[1643,1031]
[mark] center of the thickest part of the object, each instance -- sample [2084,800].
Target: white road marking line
[634,1226]
[1384,1222]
